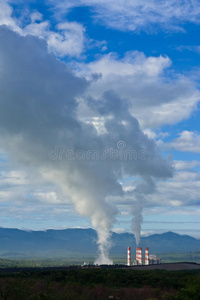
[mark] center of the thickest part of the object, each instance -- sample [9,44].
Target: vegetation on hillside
[100,284]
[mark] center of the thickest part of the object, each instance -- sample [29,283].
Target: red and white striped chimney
[146,256]
[139,255]
[129,256]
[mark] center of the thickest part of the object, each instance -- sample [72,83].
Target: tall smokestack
[129,256]
[139,255]
[146,256]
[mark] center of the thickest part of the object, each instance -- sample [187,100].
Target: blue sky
[126,62]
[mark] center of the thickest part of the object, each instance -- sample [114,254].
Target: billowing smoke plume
[40,129]
[143,188]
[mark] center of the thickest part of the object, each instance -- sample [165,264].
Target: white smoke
[143,188]
[38,112]
[137,219]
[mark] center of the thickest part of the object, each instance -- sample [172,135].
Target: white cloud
[179,193]
[118,230]
[38,29]
[154,97]
[146,233]
[67,39]
[13,178]
[182,191]
[192,211]
[188,141]
[186,176]
[36,16]
[133,64]
[6,17]
[150,133]
[185,165]
[138,15]
[50,197]
[189,48]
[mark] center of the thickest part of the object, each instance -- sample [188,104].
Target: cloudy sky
[99,115]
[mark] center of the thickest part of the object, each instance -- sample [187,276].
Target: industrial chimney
[146,256]
[139,255]
[129,256]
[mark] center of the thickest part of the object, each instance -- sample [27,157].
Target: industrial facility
[148,259]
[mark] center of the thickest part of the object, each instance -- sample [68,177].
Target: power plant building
[154,260]
[148,259]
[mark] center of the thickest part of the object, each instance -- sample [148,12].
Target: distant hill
[16,243]
[168,242]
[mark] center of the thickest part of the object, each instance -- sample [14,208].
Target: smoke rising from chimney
[38,111]
[143,188]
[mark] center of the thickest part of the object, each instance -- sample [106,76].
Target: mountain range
[16,242]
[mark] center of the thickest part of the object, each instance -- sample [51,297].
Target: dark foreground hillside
[100,284]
